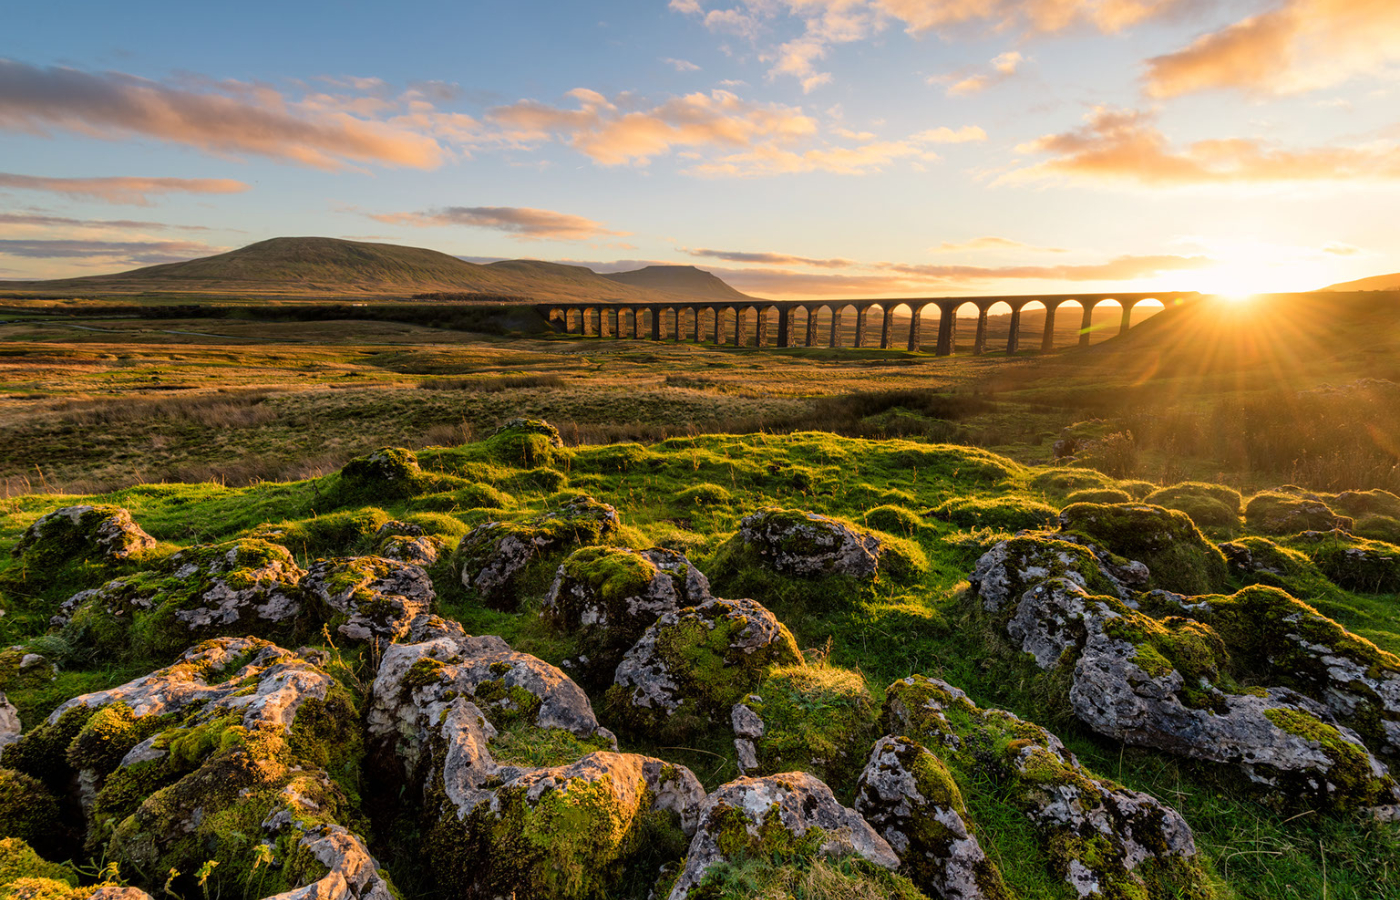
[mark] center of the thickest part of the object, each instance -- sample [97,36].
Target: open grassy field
[211,430]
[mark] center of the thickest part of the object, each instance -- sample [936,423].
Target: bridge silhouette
[727,321]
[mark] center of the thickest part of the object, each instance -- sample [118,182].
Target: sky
[796,148]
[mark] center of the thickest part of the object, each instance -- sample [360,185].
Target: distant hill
[315,266]
[679,281]
[1374,283]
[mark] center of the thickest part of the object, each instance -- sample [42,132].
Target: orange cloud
[146,253]
[1125,145]
[523,222]
[609,134]
[993,243]
[1002,68]
[1302,45]
[231,119]
[773,259]
[132,191]
[39,220]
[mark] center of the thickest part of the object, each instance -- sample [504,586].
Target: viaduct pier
[820,323]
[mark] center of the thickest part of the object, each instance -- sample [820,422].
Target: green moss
[818,719]
[1168,542]
[1354,784]
[108,735]
[523,744]
[1099,495]
[1357,564]
[1192,490]
[1061,483]
[894,520]
[1275,512]
[704,495]
[1138,490]
[28,810]
[998,513]
[19,861]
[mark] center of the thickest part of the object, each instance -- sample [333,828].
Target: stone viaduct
[729,321]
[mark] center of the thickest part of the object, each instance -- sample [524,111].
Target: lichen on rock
[607,597]
[369,598]
[690,668]
[492,556]
[1178,557]
[807,544]
[98,533]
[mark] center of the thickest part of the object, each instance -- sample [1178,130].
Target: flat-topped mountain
[316,266]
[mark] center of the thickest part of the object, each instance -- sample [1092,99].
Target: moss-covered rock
[1012,567]
[1166,684]
[190,767]
[95,533]
[1062,482]
[1276,512]
[607,597]
[492,557]
[1099,495]
[691,667]
[1103,840]
[369,598]
[1361,504]
[526,443]
[25,874]
[816,719]
[27,810]
[1177,555]
[1138,490]
[387,473]
[809,545]
[246,586]
[1357,564]
[908,795]
[792,816]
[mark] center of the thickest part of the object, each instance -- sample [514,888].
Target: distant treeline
[499,319]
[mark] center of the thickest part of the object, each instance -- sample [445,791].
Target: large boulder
[492,556]
[1357,564]
[607,597]
[1177,555]
[689,669]
[406,542]
[387,473]
[244,587]
[1274,512]
[1157,683]
[369,598]
[463,721]
[1104,841]
[791,815]
[1011,567]
[97,533]
[810,545]
[179,769]
[524,442]
[908,795]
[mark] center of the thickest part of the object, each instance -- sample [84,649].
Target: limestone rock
[377,598]
[607,597]
[691,667]
[780,813]
[1103,840]
[1177,555]
[418,683]
[492,555]
[908,795]
[245,586]
[1011,567]
[564,831]
[10,726]
[808,544]
[104,533]
[1150,683]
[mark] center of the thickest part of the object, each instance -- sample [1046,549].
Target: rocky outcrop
[1177,556]
[101,533]
[606,598]
[246,586]
[792,814]
[1154,683]
[810,545]
[817,718]
[690,668]
[369,598]
[179,768]
[525,442]
[908,795]
[1102,840]
[406,542]
[1357,564]
[1011,567]
[493,555]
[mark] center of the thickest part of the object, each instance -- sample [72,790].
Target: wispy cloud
[522,222]
[1298,46]
[680,65]
[46,221]
[772,259]
[129,190]
[999,70]
[993,243]
[1126,146]
[108,252]
[227,118]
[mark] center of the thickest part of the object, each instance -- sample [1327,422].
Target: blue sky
[795,147]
